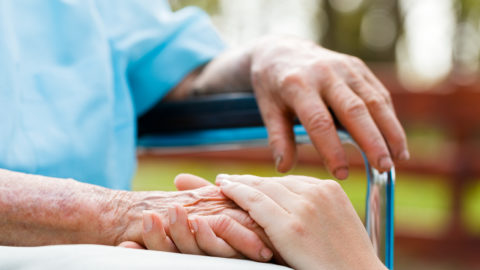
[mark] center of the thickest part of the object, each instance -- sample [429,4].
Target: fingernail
[147,221]
[193,224]
[341,173]
[266,254]
[385,163]
[278,160]
[172,215]
[405,155]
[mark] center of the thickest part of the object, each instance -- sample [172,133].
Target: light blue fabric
[74,74]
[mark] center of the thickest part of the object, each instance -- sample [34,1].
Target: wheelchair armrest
[218,111]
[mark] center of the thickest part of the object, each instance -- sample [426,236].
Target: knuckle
[337,85]
[377,145]
[255,197]
[402,137]
[387,96]
[255,182]
[307,207]
[291,78]
[359,64]
[290,84]
[296,227]
[317,190]
[328,192]
[332,187]
[248,222]
[342,65]
[275,139]
[354,107]
[356,82]
[223,224]
[320,66]
[376,103]
[319,122]
[325,72]
[357,61]
[398,139]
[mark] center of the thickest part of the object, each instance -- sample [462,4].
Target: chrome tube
[379,207]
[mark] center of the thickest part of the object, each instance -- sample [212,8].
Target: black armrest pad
[217,111]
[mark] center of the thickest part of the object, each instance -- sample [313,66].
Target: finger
[209,242]
[273,189]
[131,244]
[280,134]
[318,122]
[379,104]
[385,118]
[180,232]
[261,208]
[375,82]
[354,115]
[154,235]
[298,184]
[239,237]
[185,181]
[247,221]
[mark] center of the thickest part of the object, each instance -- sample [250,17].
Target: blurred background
[427,53]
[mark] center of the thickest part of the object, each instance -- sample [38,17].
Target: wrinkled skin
[295,77]
[208,202]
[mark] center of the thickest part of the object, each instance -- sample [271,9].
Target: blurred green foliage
[211,6]
[344,29]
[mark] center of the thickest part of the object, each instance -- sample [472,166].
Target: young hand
[310,222]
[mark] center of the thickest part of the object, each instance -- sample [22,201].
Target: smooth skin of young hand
[310,222]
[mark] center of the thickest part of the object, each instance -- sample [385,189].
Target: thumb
[185,181]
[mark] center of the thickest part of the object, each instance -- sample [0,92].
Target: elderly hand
[295,77]
[310,222]
[225,230]
[292,76]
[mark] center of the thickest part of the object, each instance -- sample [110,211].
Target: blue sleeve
[158,47]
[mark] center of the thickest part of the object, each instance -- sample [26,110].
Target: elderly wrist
[115,216]
[127,210]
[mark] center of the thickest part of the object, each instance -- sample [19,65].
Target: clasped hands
[304,222]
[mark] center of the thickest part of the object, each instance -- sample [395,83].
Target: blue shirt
[75,74]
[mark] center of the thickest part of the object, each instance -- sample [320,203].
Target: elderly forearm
[37,210]
[228,72]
